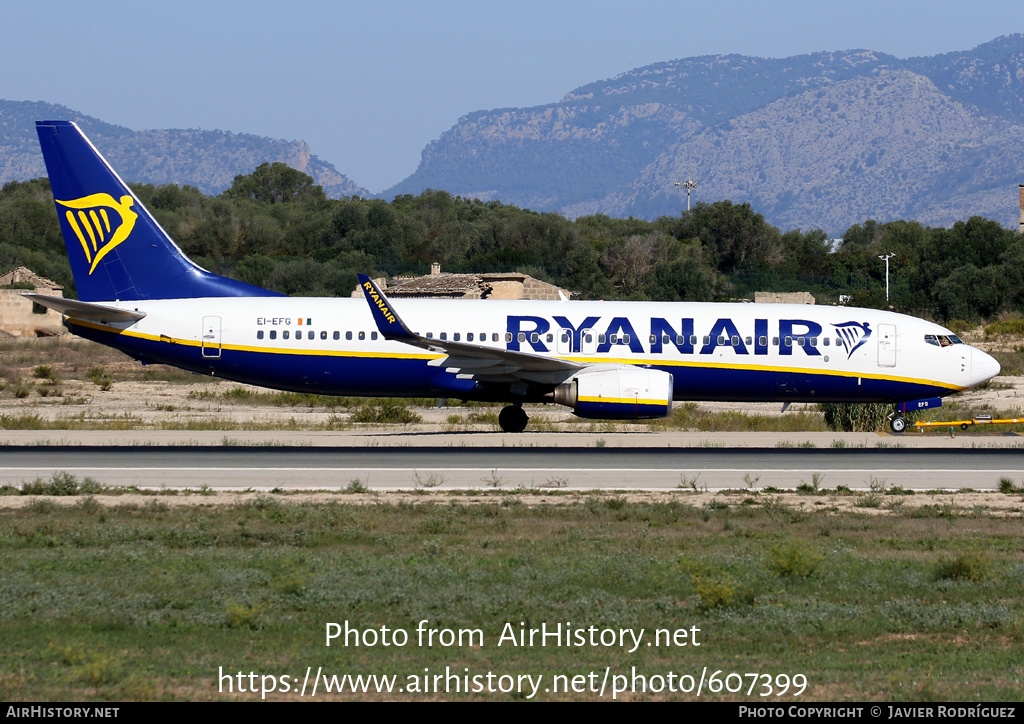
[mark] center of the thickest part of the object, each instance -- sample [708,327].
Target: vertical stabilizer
[117,249]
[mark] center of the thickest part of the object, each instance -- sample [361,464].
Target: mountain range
[208,160]
[824,140]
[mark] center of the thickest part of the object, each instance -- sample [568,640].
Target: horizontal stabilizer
[86,310]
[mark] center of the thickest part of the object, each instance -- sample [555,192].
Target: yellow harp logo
[90,219]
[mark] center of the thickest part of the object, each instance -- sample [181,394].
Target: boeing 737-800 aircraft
[624,360]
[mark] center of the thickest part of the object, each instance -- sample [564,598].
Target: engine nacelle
[619,393]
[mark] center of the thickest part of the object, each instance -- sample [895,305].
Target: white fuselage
[715,351]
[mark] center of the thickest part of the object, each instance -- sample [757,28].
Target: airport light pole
[886,259]
[689,185]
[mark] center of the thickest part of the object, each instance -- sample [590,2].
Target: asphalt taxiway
[391,461]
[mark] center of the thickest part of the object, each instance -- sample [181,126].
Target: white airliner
[623,360]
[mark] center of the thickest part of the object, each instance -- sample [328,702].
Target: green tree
[275,183]
[735,235]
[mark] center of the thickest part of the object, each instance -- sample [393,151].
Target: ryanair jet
[614,360]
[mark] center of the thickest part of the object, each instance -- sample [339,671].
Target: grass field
[108,601]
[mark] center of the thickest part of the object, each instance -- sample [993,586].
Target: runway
[483,467]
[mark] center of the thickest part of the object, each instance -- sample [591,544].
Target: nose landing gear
[897,423]
[513,418]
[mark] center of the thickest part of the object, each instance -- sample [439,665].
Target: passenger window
[430,335]
[348,335]
[588,338]
[565,337]
[259,334]
[735,341]
[323,334]
[600,339]
[508,337]
[494,337]
[814,341]
[312,335]
[534,337]
[362,335]
[373,335]
[693,339]
[285,334]
[824,341]
[614,338]
[444,335]
[762,341]
[775,341]
[680,340]
[469,336]
[721,339]
[551,338]
[789,341]
[273,334]
[707,341]
[748,340]
[802,341]
[654,338]
[456,337]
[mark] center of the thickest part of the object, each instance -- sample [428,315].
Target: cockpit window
[942,340]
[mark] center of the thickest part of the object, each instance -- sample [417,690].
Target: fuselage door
[563,345]
[886,345]
[211,337]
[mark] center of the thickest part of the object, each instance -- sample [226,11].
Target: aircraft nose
[983,367]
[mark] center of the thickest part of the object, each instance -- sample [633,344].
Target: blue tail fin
[117,249]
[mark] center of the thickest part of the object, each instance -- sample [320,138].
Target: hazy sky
[368,84]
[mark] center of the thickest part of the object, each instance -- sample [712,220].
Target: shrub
[388,412]
[965,566]
[720,590]
[99,377]
[44,372]
[793,559]
[857,416]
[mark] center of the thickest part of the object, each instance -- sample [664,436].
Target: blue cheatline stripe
[353,373]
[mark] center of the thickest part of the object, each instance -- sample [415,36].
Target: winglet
[388,322]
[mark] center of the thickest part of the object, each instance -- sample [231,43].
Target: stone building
[21,317]
[783,298]
[438,285]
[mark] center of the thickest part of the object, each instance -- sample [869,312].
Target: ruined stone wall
[18,319]
[783,298]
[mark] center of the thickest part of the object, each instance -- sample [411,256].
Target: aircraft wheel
[512,418]
[898,424]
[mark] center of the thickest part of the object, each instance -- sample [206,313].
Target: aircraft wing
[468,361]
[86,310]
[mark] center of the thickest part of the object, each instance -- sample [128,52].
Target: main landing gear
[512,418]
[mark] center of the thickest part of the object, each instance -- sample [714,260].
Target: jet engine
[622,393]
